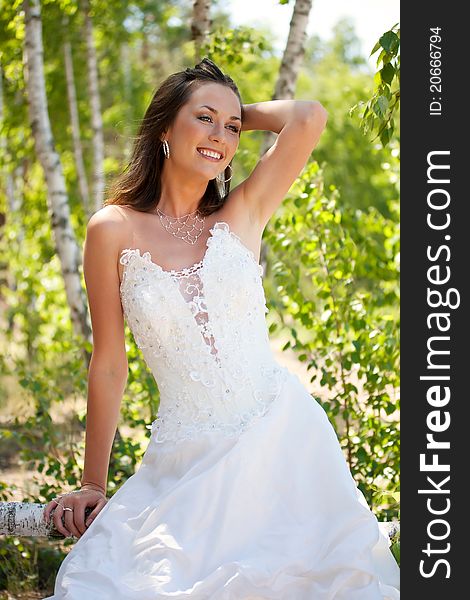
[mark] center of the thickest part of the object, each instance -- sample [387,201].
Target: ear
[164,135]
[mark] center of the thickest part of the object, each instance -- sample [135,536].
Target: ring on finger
[71,510]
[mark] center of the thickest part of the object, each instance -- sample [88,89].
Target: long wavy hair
[139,184]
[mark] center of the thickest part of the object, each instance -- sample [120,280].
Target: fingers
[57,520]
[46,512]
[79,518]
[69,518]
[50,506]
[60,517]
[72,522]
[100,504]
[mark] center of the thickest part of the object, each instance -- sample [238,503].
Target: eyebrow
[233,117]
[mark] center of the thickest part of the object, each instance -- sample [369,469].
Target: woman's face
[209,122]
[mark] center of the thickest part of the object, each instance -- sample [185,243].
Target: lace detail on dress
[203,333]
[192,290]
[174,423]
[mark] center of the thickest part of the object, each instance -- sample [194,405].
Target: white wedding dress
[243,492]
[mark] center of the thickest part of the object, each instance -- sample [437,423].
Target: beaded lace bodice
[202,332]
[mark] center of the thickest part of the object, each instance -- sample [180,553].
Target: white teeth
[209,153]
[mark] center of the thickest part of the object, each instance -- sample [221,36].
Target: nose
[217,133]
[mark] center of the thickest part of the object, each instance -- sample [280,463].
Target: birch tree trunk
[288,74]
[64,237]
[75,121]
[96,120]
[6,176]
[25,519]
[200,25]
[12,195]
[127,92]
[291,60]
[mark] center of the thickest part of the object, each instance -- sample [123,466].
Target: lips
[210,154]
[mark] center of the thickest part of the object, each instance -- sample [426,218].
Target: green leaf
[390,42]
[380,106]
[387,73]
[385,136]
[374,49]
[395,549]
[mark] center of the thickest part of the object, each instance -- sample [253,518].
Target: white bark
[75,122]
[96,120]
[127,77]
[65,242]
[390,528]
[13,181]
[291,60]
[25,519]
[13,184]
[294,51]
[201,24]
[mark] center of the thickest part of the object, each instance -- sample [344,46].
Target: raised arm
[108,371]
[299,124]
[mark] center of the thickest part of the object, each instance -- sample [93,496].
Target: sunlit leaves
[340,310]
[234,46]
[378,112]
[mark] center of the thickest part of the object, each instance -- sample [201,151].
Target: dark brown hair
[139,185]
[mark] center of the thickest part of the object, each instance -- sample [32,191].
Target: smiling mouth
[210,154]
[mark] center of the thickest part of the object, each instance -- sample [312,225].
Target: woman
[243,492]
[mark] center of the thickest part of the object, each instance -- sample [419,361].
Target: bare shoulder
[108,226]
[110,215]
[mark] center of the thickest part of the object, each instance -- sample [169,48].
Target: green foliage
[395,548]
[18,568]
[229,46]
[27,565]
[379,111]
[335,292]
[336,74]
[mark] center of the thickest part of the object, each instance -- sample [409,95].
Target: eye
[234,128]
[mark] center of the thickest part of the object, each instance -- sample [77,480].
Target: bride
[243,492]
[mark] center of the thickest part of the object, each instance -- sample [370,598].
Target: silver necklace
[182,223]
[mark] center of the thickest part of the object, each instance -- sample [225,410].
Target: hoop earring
[221,179]
[166,149]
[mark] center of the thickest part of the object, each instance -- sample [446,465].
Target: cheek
[234,145]
[190,135]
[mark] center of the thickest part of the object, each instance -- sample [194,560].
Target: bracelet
[100,488]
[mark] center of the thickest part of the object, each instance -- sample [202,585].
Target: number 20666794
[435,71]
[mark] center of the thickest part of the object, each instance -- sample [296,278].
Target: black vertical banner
[435,354]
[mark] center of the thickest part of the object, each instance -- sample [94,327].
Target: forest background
[73,86]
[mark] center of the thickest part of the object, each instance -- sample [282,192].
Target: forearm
[105,392]
[273,115]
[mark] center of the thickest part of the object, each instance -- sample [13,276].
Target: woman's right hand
[78,500]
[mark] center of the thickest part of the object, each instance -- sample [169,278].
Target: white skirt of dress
[272,514]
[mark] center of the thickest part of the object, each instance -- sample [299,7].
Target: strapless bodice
[203,334]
